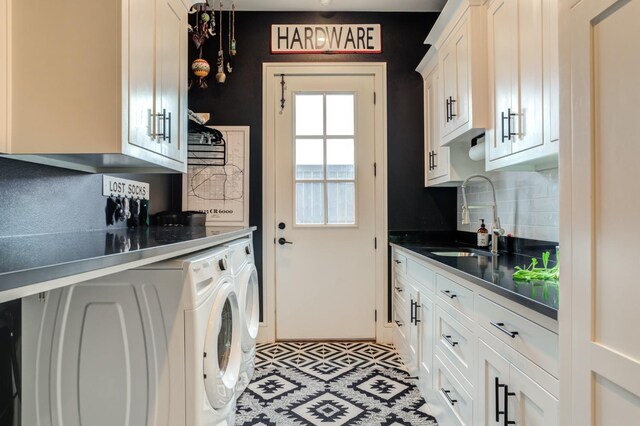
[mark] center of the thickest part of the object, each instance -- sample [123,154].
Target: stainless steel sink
[461,252]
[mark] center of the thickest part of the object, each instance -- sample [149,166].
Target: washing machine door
[250,305]
[221,361]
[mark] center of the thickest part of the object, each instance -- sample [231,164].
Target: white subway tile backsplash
[528,203]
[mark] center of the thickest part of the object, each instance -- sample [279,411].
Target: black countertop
[494,274]
[33,259]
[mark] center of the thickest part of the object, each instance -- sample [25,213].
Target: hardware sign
[351,38]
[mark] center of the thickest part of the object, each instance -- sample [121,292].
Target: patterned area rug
[331,384]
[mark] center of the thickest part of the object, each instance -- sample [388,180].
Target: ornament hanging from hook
[221,77]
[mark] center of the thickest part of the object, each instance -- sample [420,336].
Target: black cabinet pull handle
[500,326]
[448,294]
[449,341]
[507,394]
[283,241]
[397,261]
[451,102]
[448,104]
[446,395]
[497,395]
[399,289]
[430,160]
[167,136]
[412,312]
[399,323]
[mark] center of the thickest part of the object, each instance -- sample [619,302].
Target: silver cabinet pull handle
[500,326]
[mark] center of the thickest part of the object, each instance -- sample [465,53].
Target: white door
[598,245]
[325,204]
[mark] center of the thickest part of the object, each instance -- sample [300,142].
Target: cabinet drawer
[455,295]
[530,339]
[399,262]
[400,327]
[456,343]
[400,289]
[456,403]
[421,274]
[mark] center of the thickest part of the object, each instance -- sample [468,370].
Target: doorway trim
[267,332]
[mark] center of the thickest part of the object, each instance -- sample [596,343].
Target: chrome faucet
[496,229]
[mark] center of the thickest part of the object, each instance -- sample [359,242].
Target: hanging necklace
[229,65]
[220,76]
[232,51]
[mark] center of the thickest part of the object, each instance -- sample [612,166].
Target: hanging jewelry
[220,76]
[229,65]
[232,51]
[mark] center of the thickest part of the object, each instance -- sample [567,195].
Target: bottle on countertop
[483,235]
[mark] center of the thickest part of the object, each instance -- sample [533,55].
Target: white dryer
[212,327]
[246,279]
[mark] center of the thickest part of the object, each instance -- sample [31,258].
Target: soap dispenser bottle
[483,235]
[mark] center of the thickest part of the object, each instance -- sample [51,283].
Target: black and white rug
[331,384]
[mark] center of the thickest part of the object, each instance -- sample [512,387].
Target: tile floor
[331,384]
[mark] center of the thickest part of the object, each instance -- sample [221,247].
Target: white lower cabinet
[470,371]
[509,396]
[451,403]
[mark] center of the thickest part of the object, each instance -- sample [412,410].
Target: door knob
[283,241]
[281,225]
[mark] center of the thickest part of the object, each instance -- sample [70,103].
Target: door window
[325,144]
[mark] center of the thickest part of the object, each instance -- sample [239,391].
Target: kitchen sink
[458,252]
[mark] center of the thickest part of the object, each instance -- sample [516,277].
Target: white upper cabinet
[523,89]
[5,29]
[444,165]
[459,35]
[110,91]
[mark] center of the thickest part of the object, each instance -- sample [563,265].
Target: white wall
[528,204]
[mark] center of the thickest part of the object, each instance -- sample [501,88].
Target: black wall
[239,102]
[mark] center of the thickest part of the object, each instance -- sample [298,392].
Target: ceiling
[339,5]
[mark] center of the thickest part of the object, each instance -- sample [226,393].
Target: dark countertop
[33,259]
[494,274]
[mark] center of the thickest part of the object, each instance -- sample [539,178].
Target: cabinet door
[436,157]
[98,338]
[494,375]
[140,30]
[426,342]
[171,78]
[461,48]
[501,27]
[528,88]
[529,403]
[599,290]
[4,74]
[448,76]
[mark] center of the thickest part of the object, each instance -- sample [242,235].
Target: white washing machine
[246,279]
[212,341]
[159,345]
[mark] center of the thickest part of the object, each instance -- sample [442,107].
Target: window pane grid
[325,187]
